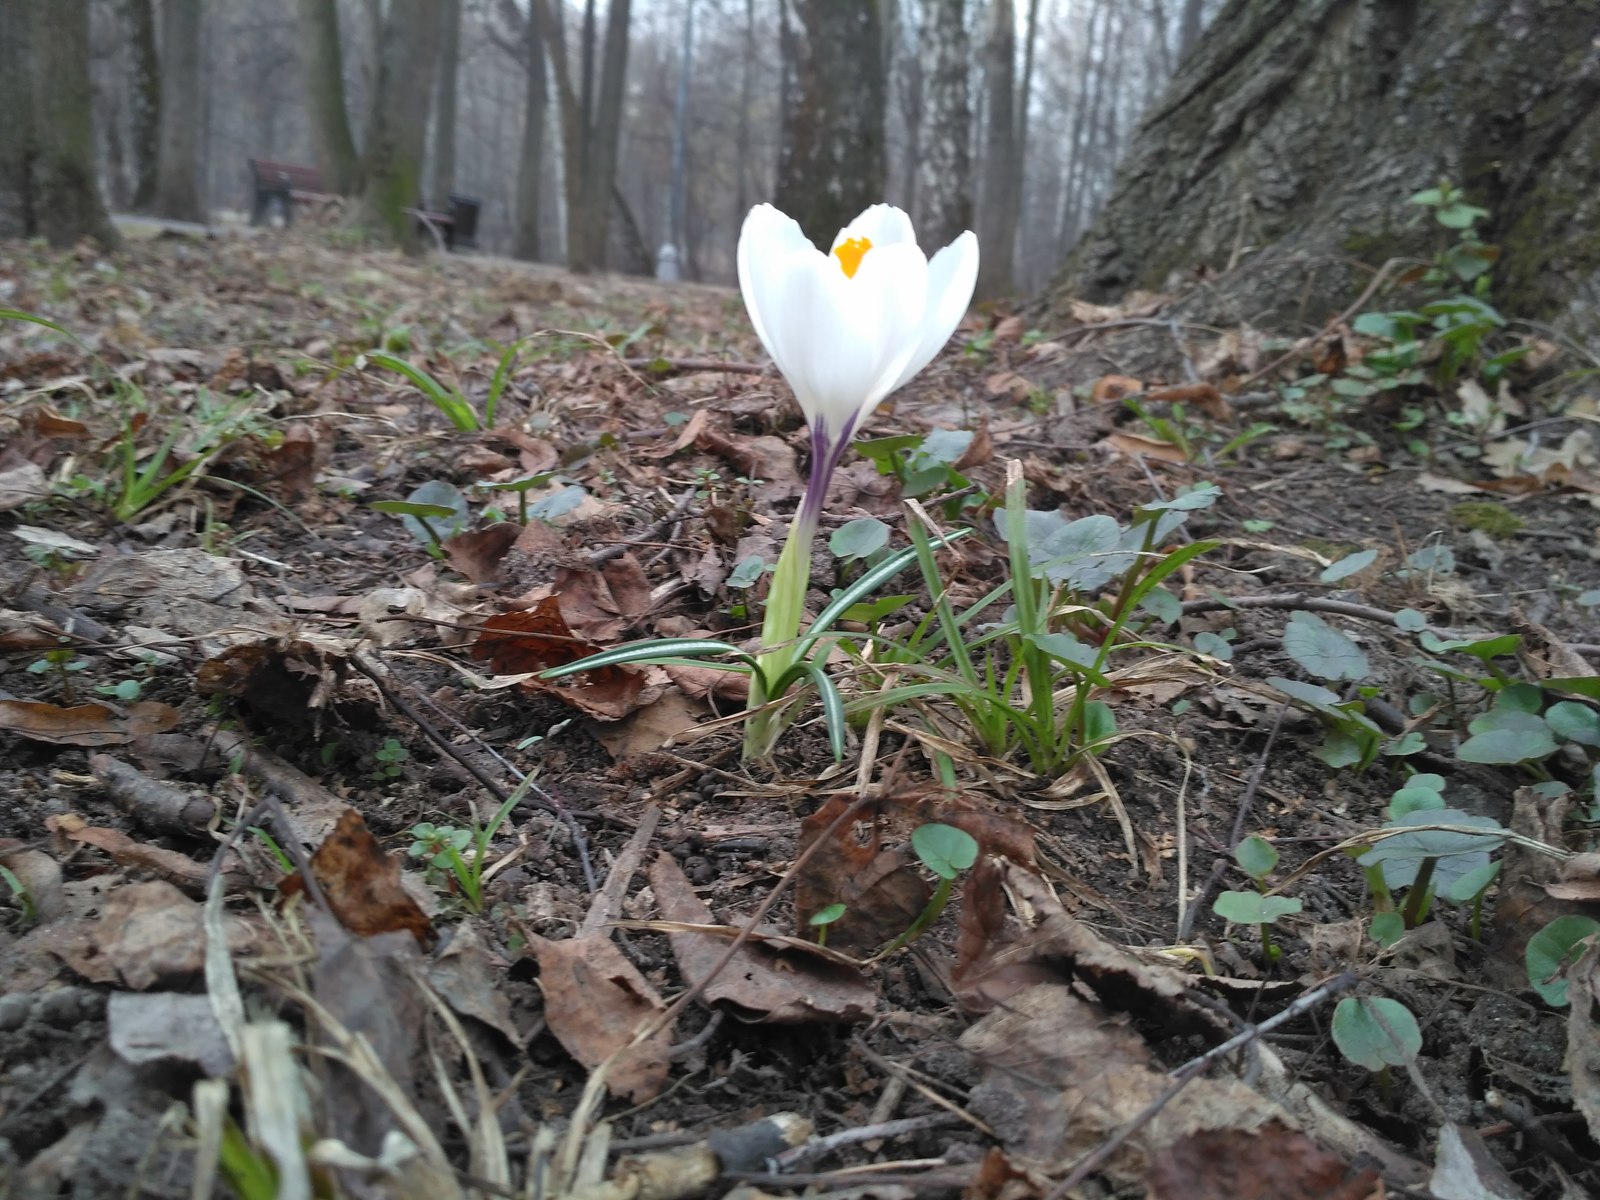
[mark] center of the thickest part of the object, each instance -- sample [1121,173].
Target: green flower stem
[780,631]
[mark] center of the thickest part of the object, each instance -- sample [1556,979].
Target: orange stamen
[850,252]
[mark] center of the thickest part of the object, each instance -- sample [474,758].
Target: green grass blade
[456,410]
[16,314]
[654,650]
[497,385]
[832,708]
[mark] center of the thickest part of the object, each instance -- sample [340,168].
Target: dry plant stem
[898,1071]
[661,368]
[1344,608]
[1236,835]
[647,535]
[1304,346]
[863,1133]
[1192,1070]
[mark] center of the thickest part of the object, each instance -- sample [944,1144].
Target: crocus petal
[952,274]
[766,241]
[882,225]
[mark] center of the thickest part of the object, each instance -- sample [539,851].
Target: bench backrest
[285,175]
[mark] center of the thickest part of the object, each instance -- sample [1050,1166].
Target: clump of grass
[1492,517]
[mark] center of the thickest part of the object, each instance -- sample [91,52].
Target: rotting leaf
[765,982]
[477,553]
[536,639]
[600,605]
[1269,1163]
[83,724]
[595,1000]
[361,883]
[880,889]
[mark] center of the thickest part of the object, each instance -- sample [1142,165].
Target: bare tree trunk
[178,165]
[998,209]
[605,136]
[741,201]
[444,108]
[678,199]
[1189,27]
[1025,93]
[548,16]
[324,86]
[145,90]
[391,163]
[831,164]
[903,68]
[530,171]
[49,133]
[944,173]
[1291,136]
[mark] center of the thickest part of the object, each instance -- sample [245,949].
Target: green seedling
[946,851]
[1430,860]
[390,757]
[446,848]
[125,690]
[1257,858]
[1552,952]
[859,540]
[522,487]
[1376,1033]
[822,918]
[450,401]
[424,515]
[20,895]
[63,663]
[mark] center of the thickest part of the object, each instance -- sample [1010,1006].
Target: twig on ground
[864,1133]
[1192,1070]
[1344,608]
[647,535]
[1246,801]
[661,368]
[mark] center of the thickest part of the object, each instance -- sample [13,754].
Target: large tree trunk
[178,163]
[324,88]
[831,164]
[145,91]
[47,176]
[443,173]
[1000,204]
[605,136]
[530,172]
[397,131]
[1291,136]
[944,172]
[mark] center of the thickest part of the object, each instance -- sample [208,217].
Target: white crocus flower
[846,329]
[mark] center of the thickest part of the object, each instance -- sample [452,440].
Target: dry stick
[535,795]
[647,535]
[663,367]
[1344,608]
[848,1137]
[1191,1070]
[1304,345]
[1237,833]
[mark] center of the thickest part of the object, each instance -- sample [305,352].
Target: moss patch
[1493,518]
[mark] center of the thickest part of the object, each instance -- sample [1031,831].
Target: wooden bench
[281,186]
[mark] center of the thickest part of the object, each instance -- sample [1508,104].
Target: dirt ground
[196,691]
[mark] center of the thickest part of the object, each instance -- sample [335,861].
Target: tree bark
[571,114]
[324,88]
[48,185]
[443,173]
[1289,140]
[530,170]
[605,137]
[391,161]
[1189,27]
[178,164]
[944,172]
[1000,203]
[145,92]
[831,161]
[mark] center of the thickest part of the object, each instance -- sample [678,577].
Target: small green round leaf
[1323,650]
[1552,950]
[1351,564]
[859,539]
[944,849]
[1252,908]
[1410,799]
[826,916]
[1387,928]
[1256,856]
[1574,722]
[1375,1032]
[1410,620]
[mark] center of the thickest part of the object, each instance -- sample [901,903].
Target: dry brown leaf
[1061,1074]
[22,484]
[477,553]
[764,457]
[1583,1035]
[471,981]
[595,1000]
[361,883]
[765,982]
[1202,396]
[880,888]
[1269,1163]
[652,727]
[536,639]
[149,934]
[600,605]
[39,874]
[1135,446]
[175,868]
[84,724]
[1110,388]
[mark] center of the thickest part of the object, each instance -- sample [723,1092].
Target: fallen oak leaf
[84,724]
[537,639]
[177,869]
[361,883]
